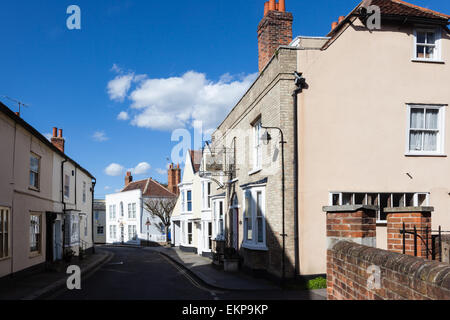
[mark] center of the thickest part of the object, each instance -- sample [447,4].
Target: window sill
[428,61]
[438,155]
[34,255]
[255,247]
[255,171]
[5,258]
[34,189]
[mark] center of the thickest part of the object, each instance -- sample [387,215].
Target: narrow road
[137,274]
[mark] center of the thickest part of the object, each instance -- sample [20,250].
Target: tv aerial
[19,103]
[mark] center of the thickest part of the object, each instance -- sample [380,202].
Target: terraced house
[45,198]
[358,116]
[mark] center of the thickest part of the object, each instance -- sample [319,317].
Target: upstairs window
[35,163]
[257,145]
[132,211]
[84,192]
[425,132]
[189,200]
[66,186]
[427,44]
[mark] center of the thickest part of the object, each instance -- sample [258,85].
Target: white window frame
[39,241]
[66,186]
[257,146]
[437,56]
[253,244]
[189,201]
[5,232]
[37,174]
[441,130]
[84,192]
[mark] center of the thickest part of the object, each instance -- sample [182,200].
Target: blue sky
[162,64]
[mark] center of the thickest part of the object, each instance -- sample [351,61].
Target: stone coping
[409,210]
[351,208]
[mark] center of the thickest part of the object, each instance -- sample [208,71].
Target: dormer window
[427,44]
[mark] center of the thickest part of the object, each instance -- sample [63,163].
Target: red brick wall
[274,30]
[420,220]
[401,277]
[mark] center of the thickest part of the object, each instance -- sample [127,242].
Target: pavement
[203,269]
[38,285]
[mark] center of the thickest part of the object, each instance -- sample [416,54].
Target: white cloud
[177,102]
[107,188]
[100,136]
[123,116]
[141,168]
[114,170]
[115,68]
[161,171]
[119,87]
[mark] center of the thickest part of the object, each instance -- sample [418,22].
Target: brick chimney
[174,176]
[274,30]
[128,179]
[58,140]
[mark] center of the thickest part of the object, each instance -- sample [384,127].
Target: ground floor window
[113,232]
[132,233]
[4,232]
[380,199]
[219,218]
[35,233]
[100,230]
[254,217]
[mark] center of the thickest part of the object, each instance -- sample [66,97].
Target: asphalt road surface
[137,274]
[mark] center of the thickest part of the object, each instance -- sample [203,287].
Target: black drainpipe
[300,83]
[94,182]
[64,205]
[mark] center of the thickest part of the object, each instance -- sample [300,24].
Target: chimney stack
[58,141]
[274,30]
[174,178]
[128,179]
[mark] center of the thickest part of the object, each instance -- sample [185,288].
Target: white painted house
[127,220]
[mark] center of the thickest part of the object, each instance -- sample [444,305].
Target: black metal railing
[431,239]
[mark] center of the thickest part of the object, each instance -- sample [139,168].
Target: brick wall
[401,277]
[274,30]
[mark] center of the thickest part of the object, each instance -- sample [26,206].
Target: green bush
[317,283]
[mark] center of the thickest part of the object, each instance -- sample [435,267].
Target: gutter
[64,204]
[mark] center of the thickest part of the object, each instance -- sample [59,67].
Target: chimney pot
[334,25]
[282,6]
[341,18]
[55,130]
[60,133]
[272,5]
[266,8]
[128,179]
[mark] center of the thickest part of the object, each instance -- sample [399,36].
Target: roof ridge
[146,185]
[160,185]
[442,15]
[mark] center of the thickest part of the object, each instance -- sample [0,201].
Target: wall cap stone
[409,210]
[351,208]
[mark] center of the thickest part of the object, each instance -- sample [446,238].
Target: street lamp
[266,138]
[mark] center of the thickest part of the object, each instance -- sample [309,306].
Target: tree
[163,209]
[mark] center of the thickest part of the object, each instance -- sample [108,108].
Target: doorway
[57,241]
